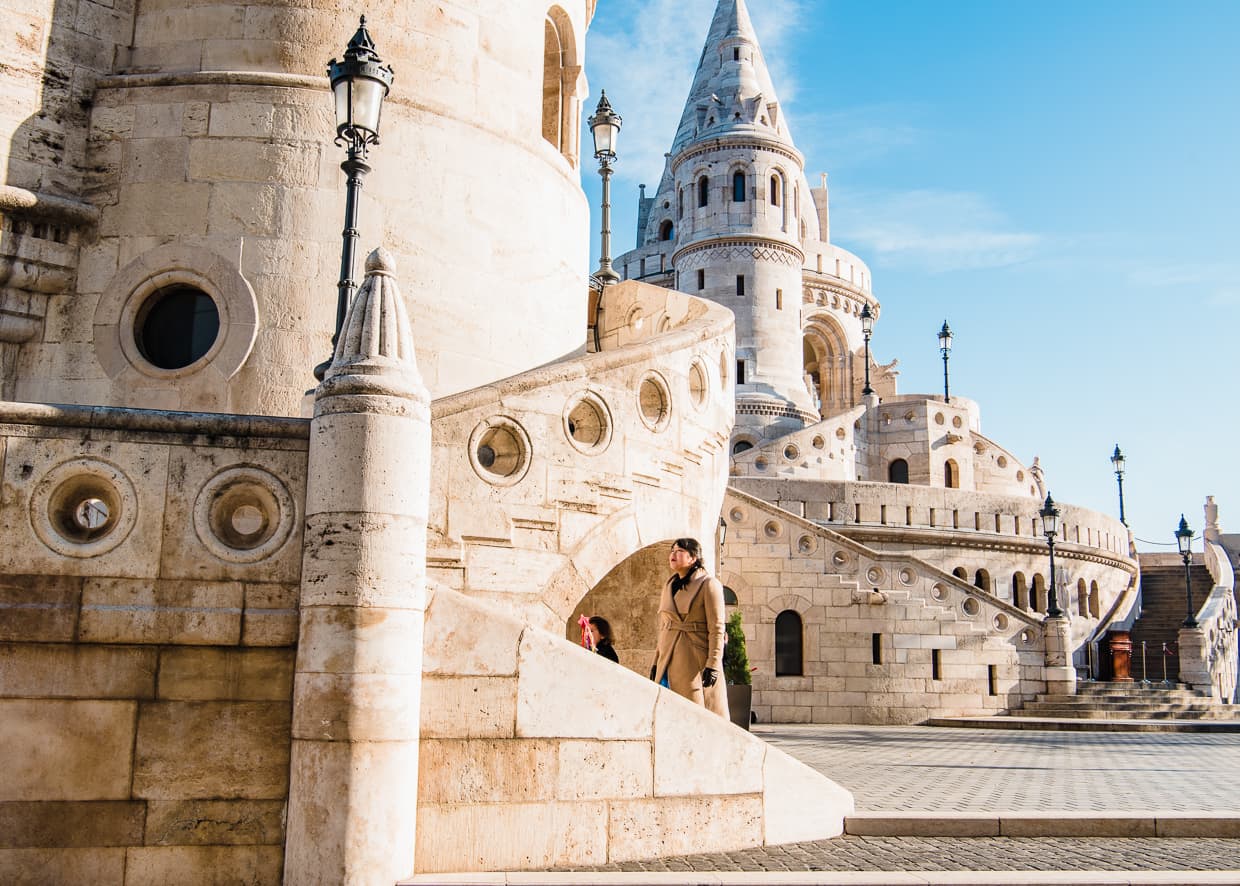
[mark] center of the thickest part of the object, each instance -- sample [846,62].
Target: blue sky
[1059,180]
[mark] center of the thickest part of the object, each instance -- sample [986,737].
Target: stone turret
[739,210]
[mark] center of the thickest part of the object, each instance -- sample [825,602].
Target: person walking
[600,633]
[690,631]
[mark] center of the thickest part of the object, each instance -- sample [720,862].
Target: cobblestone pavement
[923,768]
[962,854]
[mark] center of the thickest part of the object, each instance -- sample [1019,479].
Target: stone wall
[146,657]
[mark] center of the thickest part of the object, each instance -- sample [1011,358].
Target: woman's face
[679,559]
[594,634]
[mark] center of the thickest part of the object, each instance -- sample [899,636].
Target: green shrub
[735,656]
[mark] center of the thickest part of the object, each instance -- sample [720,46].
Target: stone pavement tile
[1085,824]
[919,824]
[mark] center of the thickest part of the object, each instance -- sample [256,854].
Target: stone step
[1170,696]
[1134,705]
[1081,724]
[1095,714]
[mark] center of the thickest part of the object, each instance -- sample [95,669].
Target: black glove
[652,667]
[709,677]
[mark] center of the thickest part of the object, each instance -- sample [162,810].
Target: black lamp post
[359,84]
[605,127]
[945,346]
[1117,459]
[1050,527]
[867,329]
[1184,539]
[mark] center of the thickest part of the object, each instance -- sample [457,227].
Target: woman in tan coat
[689,654]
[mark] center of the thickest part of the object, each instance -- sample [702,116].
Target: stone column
[1195,659]
[1059,671]
[354,773]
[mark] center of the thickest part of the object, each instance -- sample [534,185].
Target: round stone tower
[735,201]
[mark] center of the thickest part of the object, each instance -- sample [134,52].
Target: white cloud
[930,230]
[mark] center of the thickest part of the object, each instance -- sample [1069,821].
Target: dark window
[740,372]
[176,326]
[666,230]
[992,676]
[961,573]
[741,446]
[680,203]
[729,596]
[779,299]
[876,648]
[736,55]
[774,190]
[738,187]
[936,664]
[703,191]
[897,471]
[951,478]
[789,658]
[981,579]
[701,278]
[740,284]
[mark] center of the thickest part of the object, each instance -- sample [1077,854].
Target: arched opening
[897,471]
[666,230]
[826,363]
[961,573]
[1082,598]
[1094,608]
[951,474]
[775,189]
[1038,594]
[703,187]
[680,203]
[559,99]
[1020,591]
[729,596]
[789,652]
[738,187]
[741,446]
[981,579]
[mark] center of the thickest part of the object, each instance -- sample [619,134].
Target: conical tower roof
[732,91]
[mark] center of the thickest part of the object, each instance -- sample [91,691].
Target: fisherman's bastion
[258,627]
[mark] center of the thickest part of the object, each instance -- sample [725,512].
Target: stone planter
[740,699]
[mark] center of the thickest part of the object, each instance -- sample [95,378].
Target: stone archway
[826,361]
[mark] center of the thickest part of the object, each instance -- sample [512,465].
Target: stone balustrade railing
[1208,651]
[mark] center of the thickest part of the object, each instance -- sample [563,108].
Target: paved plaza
[962,772]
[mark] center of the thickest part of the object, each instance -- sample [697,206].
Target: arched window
[1093,599]
[1082,598]
[789,655]
[738,187]
[1038,595]
[666,230]
[775,189]
[740,446]
[951,475]
[559,111]
[703,191]
[961,573]
[897,471]
[981,579]
[729,596]
[680,203]
[1020,593]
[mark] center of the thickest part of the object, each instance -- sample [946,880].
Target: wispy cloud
[854,136]
[646,57]
[932,231]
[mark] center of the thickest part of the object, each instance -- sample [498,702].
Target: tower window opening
[736,54]
[701,274]
[703,191]
[666,230]
[779,299]
[740,284]
[876,649]
[774,190]
[680,203]
[936,664]
[897,471]
[738,187]
[740,372]
[789,644]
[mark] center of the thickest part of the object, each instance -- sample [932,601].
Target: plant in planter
[736,672]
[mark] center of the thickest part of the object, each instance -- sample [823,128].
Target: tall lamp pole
[1117,460]
[867,329]
[945,346]
[359,84]
[605,126]
[1050,527]
[1184,539]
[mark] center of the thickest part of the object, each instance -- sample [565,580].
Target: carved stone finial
[380,261]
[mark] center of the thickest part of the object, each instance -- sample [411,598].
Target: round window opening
[84,510]
[176,326]
[654,403]
[587,423]
[501,451]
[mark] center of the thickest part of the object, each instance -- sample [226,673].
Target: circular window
[1020,476]
[760,463]
[907,576]
[499,450]
[697,384]
[737,515]
[818,442]
[938,418]
[807,544]
[791,452]
[176,326]
[970,606]
[839,558]
[1001,462]
[957,422]
[772,529]
[1001,621]
[938,592]
[244,514]
[587,422]
[654,402]
[83,508]
[840,433]
[874,575]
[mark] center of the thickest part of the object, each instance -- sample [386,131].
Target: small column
[1059,672]
[1195,659]
[356,701]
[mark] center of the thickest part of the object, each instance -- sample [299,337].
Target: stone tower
[735,202]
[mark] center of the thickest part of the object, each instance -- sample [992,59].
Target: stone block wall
[146,663]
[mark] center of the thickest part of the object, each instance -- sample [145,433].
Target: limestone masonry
[251,632]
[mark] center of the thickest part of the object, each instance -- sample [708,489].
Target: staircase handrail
[1219,564]
[1208,652]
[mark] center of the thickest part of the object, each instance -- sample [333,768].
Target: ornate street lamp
[1184,539]
[867,329]
[1050,527]
[1117,459]
[945,346]
[605,126]
[359,84]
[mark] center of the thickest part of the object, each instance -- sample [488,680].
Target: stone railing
[1208,651]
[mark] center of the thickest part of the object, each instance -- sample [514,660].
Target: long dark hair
[694,549]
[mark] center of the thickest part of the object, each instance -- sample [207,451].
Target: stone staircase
[1162,613]
[1130,701]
